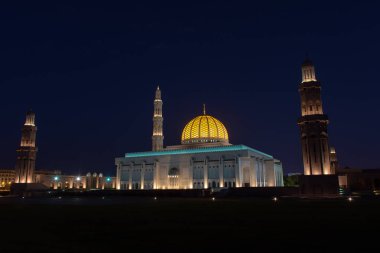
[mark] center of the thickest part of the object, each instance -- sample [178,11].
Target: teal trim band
[195,151]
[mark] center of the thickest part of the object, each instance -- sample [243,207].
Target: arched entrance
[246,177]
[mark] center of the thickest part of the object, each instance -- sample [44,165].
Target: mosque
[204,159]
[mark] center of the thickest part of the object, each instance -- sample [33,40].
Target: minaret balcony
[310,84]
[313,118]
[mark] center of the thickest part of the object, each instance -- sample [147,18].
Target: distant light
[78,178]
[213,198]
[155,198]
[59,197]
[108,179]
[55,178]
[275,199]
[23,197]
[103,197]
[350,199]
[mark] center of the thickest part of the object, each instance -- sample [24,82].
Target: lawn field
[132,224]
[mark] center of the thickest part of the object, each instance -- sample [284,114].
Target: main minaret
[26,153]
[313,124]
[157,137]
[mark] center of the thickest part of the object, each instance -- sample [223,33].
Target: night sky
[90,72]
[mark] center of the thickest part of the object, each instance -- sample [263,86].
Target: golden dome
[204,129]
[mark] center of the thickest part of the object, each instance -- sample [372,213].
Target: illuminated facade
[91,181]
[26,153]
[204,159]
[56,180]
[7,178]
[313,125]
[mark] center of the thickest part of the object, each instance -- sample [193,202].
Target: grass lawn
[188,225]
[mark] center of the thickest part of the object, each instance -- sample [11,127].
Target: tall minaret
[313,124]
[157,137]
[26,153]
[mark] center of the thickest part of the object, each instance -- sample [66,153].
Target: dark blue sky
[90,71]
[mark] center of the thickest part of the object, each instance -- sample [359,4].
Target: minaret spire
[157,137]
[26,153]
[158,93]
[30,116]
[308,71]
[313,124]
[204,109]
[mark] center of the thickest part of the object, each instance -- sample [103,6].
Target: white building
[205,159]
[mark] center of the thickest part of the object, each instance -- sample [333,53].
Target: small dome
[204,129]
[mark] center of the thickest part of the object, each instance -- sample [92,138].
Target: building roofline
[195,151]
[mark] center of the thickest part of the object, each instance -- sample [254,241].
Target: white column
[237,172]
[131,167]
[205,173]
[264,173]
[142,173]
[156,167]
[258,171]
[191,174]
[118,171]
[221,175]
[252,172]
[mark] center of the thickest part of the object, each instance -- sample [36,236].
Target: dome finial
[158,93]
[204,109]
